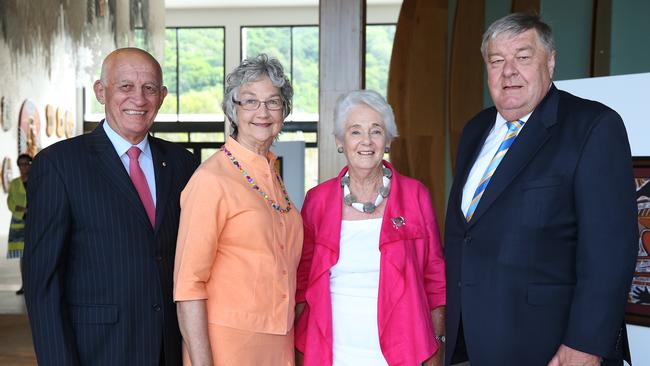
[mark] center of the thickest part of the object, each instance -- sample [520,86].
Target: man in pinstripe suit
[98,261]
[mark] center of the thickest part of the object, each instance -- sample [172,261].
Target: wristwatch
[441,338]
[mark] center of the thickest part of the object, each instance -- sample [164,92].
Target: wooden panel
[341,70]
[601,38]
[416,90]
[522,6]
[465,69]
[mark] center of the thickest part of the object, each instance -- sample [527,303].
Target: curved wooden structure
[417,93]
[523,6]
[465,69]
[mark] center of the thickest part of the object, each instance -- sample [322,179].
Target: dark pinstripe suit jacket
[98,277]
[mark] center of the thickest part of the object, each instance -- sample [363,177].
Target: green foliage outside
[200,57]
[379,46]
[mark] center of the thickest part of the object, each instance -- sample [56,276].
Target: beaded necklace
[257,188]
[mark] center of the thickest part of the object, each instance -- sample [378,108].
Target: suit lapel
[113,170]
[163,173]
[531,138]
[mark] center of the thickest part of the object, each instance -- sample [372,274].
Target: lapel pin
[164,163]
[398,222]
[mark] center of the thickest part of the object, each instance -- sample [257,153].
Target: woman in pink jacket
[371,281]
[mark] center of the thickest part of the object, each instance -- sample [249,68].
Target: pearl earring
[339,149]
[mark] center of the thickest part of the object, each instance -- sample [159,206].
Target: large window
[379,47]
[193,71]
[296,47]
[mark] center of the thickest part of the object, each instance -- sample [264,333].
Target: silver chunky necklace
[367,207]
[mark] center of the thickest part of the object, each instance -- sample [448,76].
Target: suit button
[467,240]
[159,258]
[460,284]
[156,307]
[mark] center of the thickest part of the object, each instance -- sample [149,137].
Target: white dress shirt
[490,147]
[145,159]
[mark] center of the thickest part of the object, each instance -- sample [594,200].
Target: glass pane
[172,136]
[169,76]
[379,46]
[297,136]
[311,168]
[274,41]
[305,74]
[207,137]
[206,153]
[201,68]
[139,34]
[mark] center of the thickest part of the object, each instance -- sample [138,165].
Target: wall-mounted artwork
[29,133]
[6,174]
[69,124]
[5,113]
[60,122]
[638,302]
[50,122]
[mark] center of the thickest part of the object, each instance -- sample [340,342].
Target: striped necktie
[513,129]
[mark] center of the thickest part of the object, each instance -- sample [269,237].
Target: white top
[145,159]
[354,286]
[490,147]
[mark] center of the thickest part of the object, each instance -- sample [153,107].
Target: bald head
[131,90]
[133,53]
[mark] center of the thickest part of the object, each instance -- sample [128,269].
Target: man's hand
[567,356]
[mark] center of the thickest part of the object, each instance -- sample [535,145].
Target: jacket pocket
[541,200]
[550,294]
[93,314]
[543,182]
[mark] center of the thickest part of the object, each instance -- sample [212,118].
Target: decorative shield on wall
[29,133]
[5,113]
[50,121]
[6,174]
[69,124]
[60,122]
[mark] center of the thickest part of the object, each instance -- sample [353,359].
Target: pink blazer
[412,272]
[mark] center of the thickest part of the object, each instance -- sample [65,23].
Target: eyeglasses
[24,163]
[254,104]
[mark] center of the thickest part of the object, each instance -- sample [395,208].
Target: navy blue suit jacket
[548,256]
[98,276]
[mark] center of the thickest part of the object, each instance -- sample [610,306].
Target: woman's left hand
[437,359]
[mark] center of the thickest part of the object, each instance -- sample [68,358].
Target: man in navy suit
[101,230]
[541,232]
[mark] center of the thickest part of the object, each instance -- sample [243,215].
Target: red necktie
[140,183]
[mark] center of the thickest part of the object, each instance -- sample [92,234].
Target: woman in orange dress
[240,237]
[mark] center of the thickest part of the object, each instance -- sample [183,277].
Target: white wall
[628,95]
[27,77]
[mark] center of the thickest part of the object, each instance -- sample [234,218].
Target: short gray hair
[370,98]
[515,24]
[253,69]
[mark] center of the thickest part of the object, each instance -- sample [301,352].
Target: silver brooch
[398,222]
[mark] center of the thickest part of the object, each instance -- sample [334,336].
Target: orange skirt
[232,346]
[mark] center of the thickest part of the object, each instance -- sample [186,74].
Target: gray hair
[253,69]
[370,98]
[515,24]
